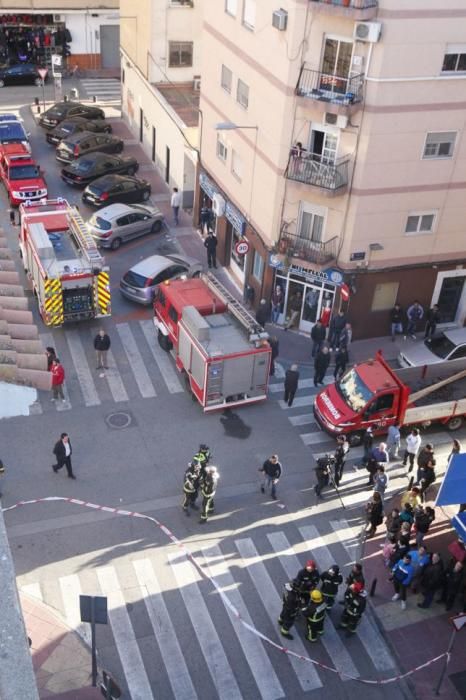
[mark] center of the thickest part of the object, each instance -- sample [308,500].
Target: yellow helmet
[316,596]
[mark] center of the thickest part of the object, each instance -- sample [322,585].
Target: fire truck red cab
[20,174]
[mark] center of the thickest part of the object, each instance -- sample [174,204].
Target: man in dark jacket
[62,452]
[317,336]
[424,456]
[331,581]
[291,384]
[272,471]
[432,318]
[102,346]
[340,457]
[307,578]
[396,321]
[275,348]
[321,364]
[355,575]
[337,325]
[431,580]
[262,313]
[290,609]
[341,360]
[355,604]
[211,244]
[452,583]
[367,444]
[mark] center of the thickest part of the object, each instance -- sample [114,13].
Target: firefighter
[355,604]
[331,580]
[202,455]
[315,614]
[290,609]
[307,578]
[208,489]
[323,473]
[192,478]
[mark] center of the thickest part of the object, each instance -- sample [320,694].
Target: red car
[20,174]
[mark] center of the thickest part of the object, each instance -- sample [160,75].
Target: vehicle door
[381,411]
[100,143]
[177,271]
[74,112]
[105,166]
[130,191]
[89,144]
[123,228]
[141,223]
[13,75]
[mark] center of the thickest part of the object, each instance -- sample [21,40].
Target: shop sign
[235,218]
[207,185]
[311,275]
[357,256]
[276,261]
[242,247]
[334,276]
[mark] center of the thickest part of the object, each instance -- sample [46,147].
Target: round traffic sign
[242,247]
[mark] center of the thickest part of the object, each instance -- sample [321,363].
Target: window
[236,166]
[258,266]
[454,60]
[249,13]
[226,79]
[242,94]
[231,7]
[311,226]
[439,144]
[222,150]
[180,54]
[420,223]
[385,296]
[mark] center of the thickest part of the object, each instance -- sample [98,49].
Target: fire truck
[68,275]
[20,174]
[217,344]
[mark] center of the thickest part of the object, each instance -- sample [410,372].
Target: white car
[443,346]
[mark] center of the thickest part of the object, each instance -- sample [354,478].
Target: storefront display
[316,293]
[28,38]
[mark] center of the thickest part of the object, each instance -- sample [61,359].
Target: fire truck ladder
[85,239]
[236,308]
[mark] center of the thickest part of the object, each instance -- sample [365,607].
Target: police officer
[307,578]
[315,615]
[322,471]
[331,580]
[355,604]
[192,478]
[290,609]
[208,489]
[340,458]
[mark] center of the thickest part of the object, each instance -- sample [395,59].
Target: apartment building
[333,153]
[160,65]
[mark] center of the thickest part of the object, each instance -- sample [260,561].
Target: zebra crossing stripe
[113,377]
[212,649]
[164,632]
[81,366]
[304,419]
[306,674]
[136,362]
[70,588]
[32,589]
[299,402]
[314,438]
[276,387]
[254,652]
[162,358]
[123,633]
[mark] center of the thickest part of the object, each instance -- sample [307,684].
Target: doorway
[154,142]
[167,165]
[336,65]
[449,298]
[323,146]
[110,45]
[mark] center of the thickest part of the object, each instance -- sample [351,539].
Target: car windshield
[98,222]
[55,112]
[440,345]
[24,172]
[12,131]
[66,129]
[354,391]
[82,166]
[135,280]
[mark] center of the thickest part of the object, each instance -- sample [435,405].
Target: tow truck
[21,176]
[216,343]
[67,273]
[374,394]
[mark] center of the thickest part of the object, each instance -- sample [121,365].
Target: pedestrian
[340,457]
[2,475]
[58,377]
[452,583]
[414,315]
[413,444]
[275,348]
[427,478]
[331,581]
[374,511]
[396,321]
[355,575]
[407,516]
[367,443]
[423,519]
[343,338]
[208,490]
[175,203]
[432,318]
[272,471]
[424,456]
[296,303]
[318,332]
[337,324]
[455,450]
[51,356]
[262,313]
[12,216]
[206,216]
[355,605]
[315,615]
[341,360]
[63,451]
[321,363]
[403,574]
[323,471]
[393,523]
[393,441]
[411,498]
[291,384]
[102,346]
[379,455]
[210,244]
[419,559]
[276,304]
[432,580]
[192,479]
[381,481]
[291,606]
[404,539]
[390,551]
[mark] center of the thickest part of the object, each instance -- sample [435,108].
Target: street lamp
[230,126]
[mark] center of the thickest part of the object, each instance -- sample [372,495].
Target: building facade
[332,143]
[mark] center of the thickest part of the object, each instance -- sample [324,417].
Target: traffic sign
[242,247]
[42,72]
[459,621]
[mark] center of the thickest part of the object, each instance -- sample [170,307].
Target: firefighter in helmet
[191,483]
[290,609]
[208,489]
[355,604]
[331,580]
[202,455]
[307,578]
[315,615]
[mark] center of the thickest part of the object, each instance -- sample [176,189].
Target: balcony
[311,169]
[334,93]
[316,252]
[354,9]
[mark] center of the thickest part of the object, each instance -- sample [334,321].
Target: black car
[66,110]
[110,189]
[20,74]
[84,142]
[87,168]
[68,127]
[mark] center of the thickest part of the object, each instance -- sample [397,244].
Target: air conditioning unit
[338,120]
[197,82]
[367,31]
[218,205]
[280,20]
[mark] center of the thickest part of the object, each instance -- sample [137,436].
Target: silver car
[443,346]
[141,282]
[118,223]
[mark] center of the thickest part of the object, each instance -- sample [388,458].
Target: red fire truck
[67,272]
[20,174]
[218,345]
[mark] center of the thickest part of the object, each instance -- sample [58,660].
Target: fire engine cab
[20,174]
[66,270]
[217,344]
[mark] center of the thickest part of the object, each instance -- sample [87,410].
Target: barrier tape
[228,603]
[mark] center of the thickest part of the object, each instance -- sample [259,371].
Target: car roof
[114,210]
[456,335]
[153,265]
[81,136]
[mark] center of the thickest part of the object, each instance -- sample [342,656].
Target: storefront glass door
[305,302]
[449,298]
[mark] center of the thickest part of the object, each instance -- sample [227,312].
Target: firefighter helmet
[357,587]
[316,596]
[310,564]
[335,569]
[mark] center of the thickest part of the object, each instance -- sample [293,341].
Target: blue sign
[235,218]
[207,185]
[334,276]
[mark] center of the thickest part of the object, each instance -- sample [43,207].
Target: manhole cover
[119,420]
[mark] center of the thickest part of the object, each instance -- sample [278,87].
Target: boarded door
[110,45]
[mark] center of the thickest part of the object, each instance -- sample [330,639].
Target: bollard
[94,98]
[36,101]
[65,98]
[38,109]
[373,587]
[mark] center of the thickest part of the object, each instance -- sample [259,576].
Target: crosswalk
[104,89]
[171,634]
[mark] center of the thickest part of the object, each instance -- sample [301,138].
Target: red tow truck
[20,174]
[373,394]
[217,344]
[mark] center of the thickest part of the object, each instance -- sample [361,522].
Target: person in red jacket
[58,377]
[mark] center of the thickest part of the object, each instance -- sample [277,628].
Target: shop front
[32,38]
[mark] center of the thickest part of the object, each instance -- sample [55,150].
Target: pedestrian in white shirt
[175,204]
[413,443]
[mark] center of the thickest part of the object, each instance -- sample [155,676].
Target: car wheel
[156,227]
[145,195]
[455,423]
[2,83]
[131,170]
[115,244]
[164,341]
[197,274]
[38,81]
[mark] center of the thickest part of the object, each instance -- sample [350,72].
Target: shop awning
[459,523]
[453,488]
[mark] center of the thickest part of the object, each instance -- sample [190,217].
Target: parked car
[13,132]
[119,223]
[64,110]
[443,346]
[9,117]
[141,282]
[68,127]
[20,74]
[116,188]
[83,143]
[87,168]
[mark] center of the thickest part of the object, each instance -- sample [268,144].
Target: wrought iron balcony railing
[330,88]
[353,4]
[316,252]
[312,169]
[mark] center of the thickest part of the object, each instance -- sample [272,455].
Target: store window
[180,54]
[31,38]
[238,260]
[385,296]
[258,267]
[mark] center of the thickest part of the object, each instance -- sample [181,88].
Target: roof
[193,292]
[183,99]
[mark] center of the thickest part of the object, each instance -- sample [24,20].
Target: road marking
[164,632]
[207,636]
[349,538]
[314,438]
[32,589]
[305,672]
[113,377]
[254,652]
[303,384]
[136,362]
[303,419]
[299,402]
[123,633]
[164,362]
[81,366]
[331,639]
[70,587]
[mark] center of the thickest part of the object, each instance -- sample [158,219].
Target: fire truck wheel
[455,423]
[164,342]
[116,243]
[187,384]
[355,439]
